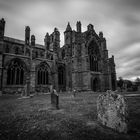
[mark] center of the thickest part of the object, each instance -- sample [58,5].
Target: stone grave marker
[55,99]
[25,92]
[51,88]
[112,111]
[74,93]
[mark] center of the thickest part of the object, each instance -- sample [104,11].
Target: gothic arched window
[42,75]
[15,73]
[93,52]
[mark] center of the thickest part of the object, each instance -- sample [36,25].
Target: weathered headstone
[51,88]
[24,91]
[74,93]
[112,111]
[55,99]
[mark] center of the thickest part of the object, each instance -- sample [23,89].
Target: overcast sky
[118,19]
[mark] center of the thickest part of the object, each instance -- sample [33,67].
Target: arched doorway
[61,78]
[94,84]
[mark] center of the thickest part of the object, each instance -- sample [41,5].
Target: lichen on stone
[112,111]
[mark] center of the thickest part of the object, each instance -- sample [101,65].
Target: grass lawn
[34,119]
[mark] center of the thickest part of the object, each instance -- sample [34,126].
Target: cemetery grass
[35,119]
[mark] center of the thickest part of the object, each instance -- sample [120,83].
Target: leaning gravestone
[112,111]
[55,99]
[51,88]
[24,91]
[74,93]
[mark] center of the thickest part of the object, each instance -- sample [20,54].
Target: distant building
[81,64]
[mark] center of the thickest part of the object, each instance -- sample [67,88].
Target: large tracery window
[93,63]
[42,75]
[15,73]
[93,52]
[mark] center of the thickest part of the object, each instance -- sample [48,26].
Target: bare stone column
[0,81]
[32,77]
[27,86]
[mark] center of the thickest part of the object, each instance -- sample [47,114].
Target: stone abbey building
[81,64]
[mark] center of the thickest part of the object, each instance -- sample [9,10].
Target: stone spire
[27,35]
[101,34]
[2,27]
[68,27]
[47,38]
[90,27]
[33,40]
[78,25]
[47,41]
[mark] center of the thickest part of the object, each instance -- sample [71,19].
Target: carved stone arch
[44,63]
[94,46]
[93,38]
[16,59]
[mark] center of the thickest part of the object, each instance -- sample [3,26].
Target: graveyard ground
[34,119]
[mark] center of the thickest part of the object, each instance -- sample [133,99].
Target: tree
[129,84]
[120,83]
[137,80]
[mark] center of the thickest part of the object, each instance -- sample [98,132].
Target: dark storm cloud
[130,3]
[118,19]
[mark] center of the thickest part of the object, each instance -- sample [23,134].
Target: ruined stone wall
[14,48]
[76,59]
